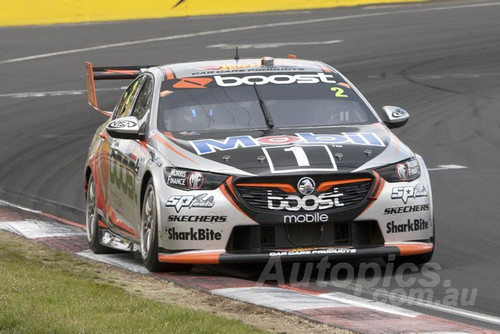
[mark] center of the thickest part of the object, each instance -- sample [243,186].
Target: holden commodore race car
[245,160]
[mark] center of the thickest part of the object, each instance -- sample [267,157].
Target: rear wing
[108,73]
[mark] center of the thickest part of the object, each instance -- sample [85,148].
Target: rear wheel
[93,233]
[149,235]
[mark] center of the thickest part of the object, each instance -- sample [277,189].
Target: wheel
[419,259]
[93,234]
[149,235]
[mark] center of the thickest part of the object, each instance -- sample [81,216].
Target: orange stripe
[377,190]
[196,258]
[91,94]
[170,74]
[226,194]
[170,136]
[323,67]
[229,184]
[413,249]
[164,142]
[283,186]
[329,184]
[115,221]
[378,186]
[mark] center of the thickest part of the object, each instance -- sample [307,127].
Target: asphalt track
[438,60]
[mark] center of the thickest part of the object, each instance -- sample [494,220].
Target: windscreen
[234,105]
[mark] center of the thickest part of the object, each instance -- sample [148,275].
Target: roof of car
[243,66]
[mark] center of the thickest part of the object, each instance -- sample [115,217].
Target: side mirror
[394,117]
[125,128]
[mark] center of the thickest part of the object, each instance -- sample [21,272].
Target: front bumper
[297,255]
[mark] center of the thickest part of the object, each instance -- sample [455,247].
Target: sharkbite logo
[205,146]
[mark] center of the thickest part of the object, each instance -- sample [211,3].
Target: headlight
[404,171]
[186,179]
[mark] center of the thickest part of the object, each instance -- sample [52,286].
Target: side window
[123,107]
[144,100]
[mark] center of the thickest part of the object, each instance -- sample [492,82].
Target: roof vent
[267,61]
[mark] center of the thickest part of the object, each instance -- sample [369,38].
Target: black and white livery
[234,161]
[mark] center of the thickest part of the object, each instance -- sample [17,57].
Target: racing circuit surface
[438,60]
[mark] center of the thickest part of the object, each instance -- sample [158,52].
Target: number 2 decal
[285,159]
[339,92]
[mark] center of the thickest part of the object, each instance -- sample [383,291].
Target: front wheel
[149,235]
[149,231]
[419,259]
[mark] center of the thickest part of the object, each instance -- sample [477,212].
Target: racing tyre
[149,235]
[419,259]
[93,233]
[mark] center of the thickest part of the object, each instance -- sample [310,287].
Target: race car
[247,160]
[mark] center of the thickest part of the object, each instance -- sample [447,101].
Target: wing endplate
[108,73]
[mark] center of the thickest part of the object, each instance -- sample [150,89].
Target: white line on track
[269,45]
[402,299]
[56,93]
[246,28]
[446,167]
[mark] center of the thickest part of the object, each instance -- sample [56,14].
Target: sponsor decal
[277,79]
[197,219]
[200,234]
[407,170]
[409,226]
[306,186]
[189,133]
[190,201]
[123,179]
[177,177]
[192,83]
[204,146]
[122,124]
[406,209]
[306,218]
[228,67]
[308,203]
[315,252]
[407,192]
[195,180]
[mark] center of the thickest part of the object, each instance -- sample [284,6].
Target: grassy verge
[44,290]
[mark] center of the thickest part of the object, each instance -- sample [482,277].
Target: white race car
[233,161]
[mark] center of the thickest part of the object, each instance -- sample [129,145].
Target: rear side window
[124,106]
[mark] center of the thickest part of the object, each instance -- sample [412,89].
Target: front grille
[286,236]
[265,196]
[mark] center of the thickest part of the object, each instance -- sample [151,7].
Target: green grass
[46,291]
